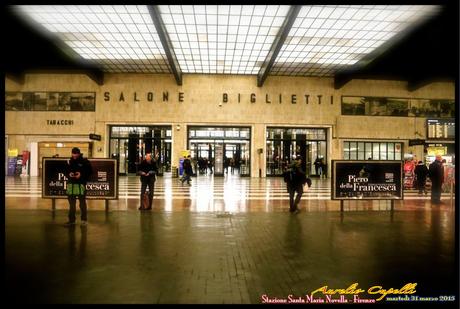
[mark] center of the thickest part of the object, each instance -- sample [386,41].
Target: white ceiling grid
[227,39]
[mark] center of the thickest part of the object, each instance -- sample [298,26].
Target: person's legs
[72,209]
[299,190]
[151,185]
[143,188]
[186,178]
[83,207]
[436,193]
[291,199]
[419,186]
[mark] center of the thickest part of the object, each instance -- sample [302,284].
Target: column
[258,142]
[179,142]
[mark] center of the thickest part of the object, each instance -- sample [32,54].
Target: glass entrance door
[284,144]
[130,144]
[222,147]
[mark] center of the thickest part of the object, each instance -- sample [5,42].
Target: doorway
[284,144]
[61,150]
[220,150]
[130,144]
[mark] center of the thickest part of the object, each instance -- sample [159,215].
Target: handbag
[75,189]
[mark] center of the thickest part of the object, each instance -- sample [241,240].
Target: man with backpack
[78,171]
[295,179]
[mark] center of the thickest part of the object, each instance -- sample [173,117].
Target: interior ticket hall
[361,99]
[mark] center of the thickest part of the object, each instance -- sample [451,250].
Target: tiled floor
[189,251]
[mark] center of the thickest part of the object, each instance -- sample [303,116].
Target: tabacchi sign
[367,180]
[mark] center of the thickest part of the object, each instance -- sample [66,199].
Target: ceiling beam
[413,85]
[96,75]
[166,42]
[341,80]
[277,44]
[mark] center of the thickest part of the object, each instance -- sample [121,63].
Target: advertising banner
[181,166]
[102,185]
[11,166]
[25,163]
[183,155]
[373,180]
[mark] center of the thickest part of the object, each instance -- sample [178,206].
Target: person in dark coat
[317,165]
[188,171]
[421,171]
[295,178]
[323,168]
[147,170]
[436,173]
[210,164]
[78,171]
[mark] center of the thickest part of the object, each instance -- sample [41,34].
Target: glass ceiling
[119,38]
[325,39]
[226,39]
[222,38]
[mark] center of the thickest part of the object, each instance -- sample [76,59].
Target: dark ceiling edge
[76,64]
[388,49]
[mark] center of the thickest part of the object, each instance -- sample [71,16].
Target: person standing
[147,170]
[436,173]
[210,164]
[421,171]
[295,178]
[188,171]
[323,168]
[317,164]
[226,163]
[445,169]
[78,171]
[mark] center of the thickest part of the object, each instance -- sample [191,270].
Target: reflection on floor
[201,257]
[189,251]
[206,193]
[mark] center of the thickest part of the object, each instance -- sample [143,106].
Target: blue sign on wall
[12,165]
[181,166]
